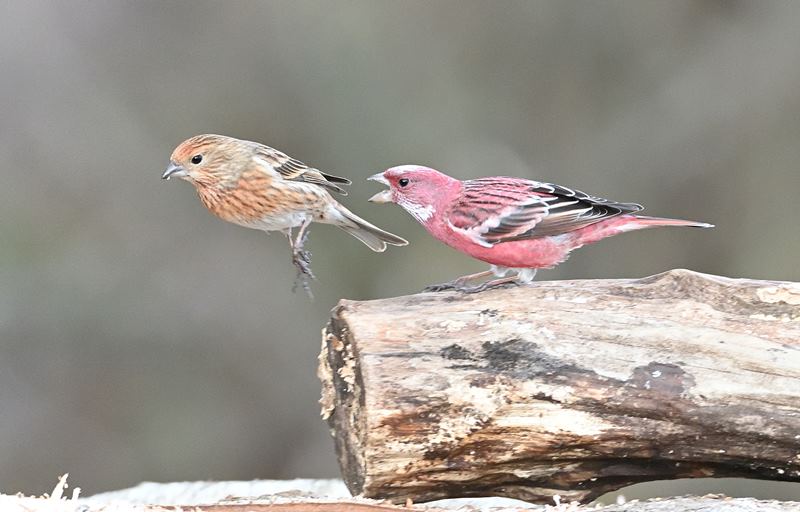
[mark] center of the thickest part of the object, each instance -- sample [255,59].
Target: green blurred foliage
[142,339]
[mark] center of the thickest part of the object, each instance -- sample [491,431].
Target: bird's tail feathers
[372,236]
[335,179]
[646,221]
[625,223]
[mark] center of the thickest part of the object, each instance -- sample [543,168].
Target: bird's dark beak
[174,170]
[384,196]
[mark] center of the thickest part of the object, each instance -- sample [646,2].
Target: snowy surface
[143,497]
[204,493]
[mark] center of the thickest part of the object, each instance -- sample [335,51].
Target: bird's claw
[302,261]
[489,285]
[443,287]
[460,286]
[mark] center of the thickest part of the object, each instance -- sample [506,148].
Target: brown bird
[259,187]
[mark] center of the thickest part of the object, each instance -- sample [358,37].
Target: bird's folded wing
[495,210]
[289,168]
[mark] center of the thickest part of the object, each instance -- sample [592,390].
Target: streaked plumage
[259,187]
[511,223]
[503,209]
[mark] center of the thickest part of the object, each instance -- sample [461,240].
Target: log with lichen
[573,388]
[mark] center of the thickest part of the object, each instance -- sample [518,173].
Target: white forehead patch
[408,168]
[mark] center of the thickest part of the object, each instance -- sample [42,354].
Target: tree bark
[575,388]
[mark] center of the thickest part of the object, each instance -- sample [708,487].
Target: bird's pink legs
[458,283]
[523,276]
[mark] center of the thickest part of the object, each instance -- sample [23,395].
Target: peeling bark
[574,388]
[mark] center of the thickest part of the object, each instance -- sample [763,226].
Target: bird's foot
[302,261]
[460,285]
[456,284]
[506,282]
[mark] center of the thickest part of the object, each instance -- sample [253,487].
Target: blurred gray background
[143,339]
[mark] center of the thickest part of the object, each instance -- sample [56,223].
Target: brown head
[209,160]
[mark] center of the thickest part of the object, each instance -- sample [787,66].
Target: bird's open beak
[174,170]
[384,196]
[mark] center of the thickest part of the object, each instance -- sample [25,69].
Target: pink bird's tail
[625,223]
[652,222]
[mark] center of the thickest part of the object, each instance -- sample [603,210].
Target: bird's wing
[291,169]
[500,209]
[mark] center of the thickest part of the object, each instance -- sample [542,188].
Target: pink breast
[548,251]
[532,253]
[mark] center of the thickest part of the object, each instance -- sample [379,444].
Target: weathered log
[574,388]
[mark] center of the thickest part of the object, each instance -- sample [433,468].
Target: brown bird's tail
[373,237]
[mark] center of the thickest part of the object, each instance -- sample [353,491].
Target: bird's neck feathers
[213,188]
[423,213]
[210,194]
[426,207]
[219,177]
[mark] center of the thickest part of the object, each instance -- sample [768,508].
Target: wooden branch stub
[574,388]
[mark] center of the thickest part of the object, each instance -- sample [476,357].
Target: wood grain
[573,388]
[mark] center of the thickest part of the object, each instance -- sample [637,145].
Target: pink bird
[513,224]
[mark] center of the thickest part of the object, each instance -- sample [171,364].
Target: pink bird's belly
[545,252]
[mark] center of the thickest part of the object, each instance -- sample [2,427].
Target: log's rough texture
[574,388]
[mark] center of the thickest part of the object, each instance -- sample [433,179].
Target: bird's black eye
[196,159]
[402,182]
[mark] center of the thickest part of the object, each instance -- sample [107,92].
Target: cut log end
[575,388]
[343,398]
